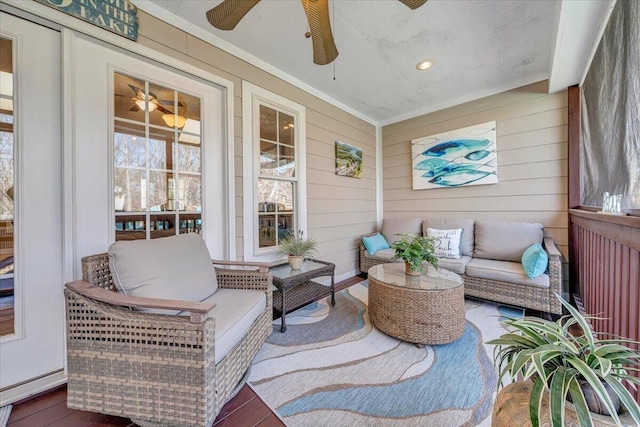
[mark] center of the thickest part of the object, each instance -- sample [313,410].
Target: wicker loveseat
[158,369]
[490,271]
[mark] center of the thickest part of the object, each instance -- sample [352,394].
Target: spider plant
[548,353]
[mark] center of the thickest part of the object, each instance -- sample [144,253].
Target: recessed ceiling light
[425,64]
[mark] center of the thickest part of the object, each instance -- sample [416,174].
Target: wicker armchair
[155,369]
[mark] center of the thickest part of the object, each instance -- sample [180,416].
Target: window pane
[129,97]
[286,161]
[191,193]
[130,188]
[266,230]
[286,129]
[275,194]
[268,123]
[129,148]
[130,227]
[162,225]
[162,108]
[189,158]
[190,223]
[268,157]
[7,220]
[158,200]
[285,226]
[160,148]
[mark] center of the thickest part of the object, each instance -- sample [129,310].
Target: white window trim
[251,94]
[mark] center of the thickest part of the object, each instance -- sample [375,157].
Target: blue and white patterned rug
[331,368]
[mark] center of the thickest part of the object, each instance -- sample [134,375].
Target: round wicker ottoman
[425,309]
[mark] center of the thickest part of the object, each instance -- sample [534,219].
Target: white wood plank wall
[339,209]
[532,162]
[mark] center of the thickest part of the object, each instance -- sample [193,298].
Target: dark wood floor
[50,409]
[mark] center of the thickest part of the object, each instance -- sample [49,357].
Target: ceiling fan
[227,14]
[154,102]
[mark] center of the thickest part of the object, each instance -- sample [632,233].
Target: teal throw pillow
[535,260]
[375,243]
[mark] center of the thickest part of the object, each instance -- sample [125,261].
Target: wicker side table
[425,309]
[294,288]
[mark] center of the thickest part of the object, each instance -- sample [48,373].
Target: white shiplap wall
[532,162]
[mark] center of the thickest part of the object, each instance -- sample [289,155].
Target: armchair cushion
[177,267]
[235,312]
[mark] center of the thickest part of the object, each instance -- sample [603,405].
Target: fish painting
[456,158]
[459,147]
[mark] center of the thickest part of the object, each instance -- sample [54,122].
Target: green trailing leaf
[548,353]
[580,403]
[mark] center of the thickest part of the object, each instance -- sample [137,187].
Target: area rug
[332,368]
[5,412]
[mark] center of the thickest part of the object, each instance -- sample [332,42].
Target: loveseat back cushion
[505,241]
[177,267]
[235,312]
[456,265]
[466,240]
[504,271]
[391,227]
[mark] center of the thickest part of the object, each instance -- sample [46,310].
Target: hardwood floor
[246,409]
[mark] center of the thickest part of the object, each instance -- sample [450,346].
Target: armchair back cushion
[505,241]
[393,226]
[177,267]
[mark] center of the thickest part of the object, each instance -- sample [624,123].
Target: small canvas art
[457,158]
[348,160]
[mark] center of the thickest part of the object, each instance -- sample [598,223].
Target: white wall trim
[188,27]
[32,387]
[379,178]
[250,95]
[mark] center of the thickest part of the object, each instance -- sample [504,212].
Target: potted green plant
[413,250]
[297,247]
[566,365]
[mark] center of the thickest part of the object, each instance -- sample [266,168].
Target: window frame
[252,97]
[147,213]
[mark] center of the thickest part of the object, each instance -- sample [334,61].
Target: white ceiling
[480,47]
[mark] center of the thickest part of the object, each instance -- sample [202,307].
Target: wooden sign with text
[117,16]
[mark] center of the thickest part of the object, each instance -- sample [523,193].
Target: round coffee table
[425,309]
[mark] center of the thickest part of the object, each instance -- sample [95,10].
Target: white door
[30,104]
[137,173]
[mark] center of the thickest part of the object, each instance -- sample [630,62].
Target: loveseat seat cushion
[385,255]
[456,265]
[391,227]
[466,240]
[235,312]
[505,241]
[504,271]
[177,267]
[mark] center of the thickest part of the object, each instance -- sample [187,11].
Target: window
[274,197]
[157,178]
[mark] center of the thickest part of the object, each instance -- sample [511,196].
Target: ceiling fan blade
[413,4]
[227,14]
[324,48]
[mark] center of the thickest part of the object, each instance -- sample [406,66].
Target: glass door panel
[6,189]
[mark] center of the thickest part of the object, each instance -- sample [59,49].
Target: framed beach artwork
[348,160]
[456,158]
